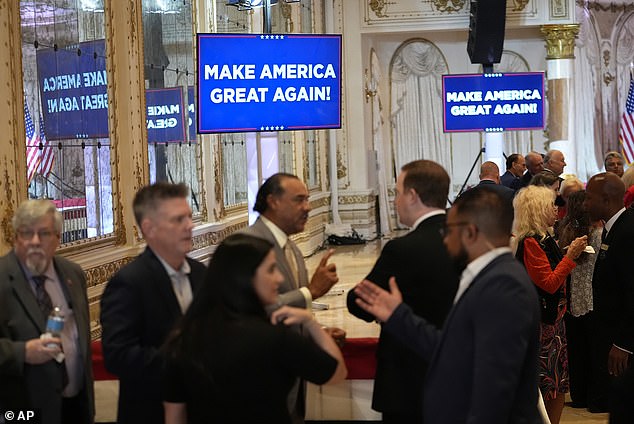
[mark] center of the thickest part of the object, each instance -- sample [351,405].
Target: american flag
[626,134]
[48,154]
[33,157]
[39,154]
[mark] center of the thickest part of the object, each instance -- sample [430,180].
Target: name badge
[604,246]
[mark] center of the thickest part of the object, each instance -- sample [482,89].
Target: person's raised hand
[380,303]
[325,276]
[576,247]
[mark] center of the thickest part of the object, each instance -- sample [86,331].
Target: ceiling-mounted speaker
[486,31]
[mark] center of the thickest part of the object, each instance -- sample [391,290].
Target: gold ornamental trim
[445,6]
[102,273]
[215,237]
[560,40]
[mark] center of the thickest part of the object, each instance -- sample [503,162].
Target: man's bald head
[555,162]
[604,195]
[490,171]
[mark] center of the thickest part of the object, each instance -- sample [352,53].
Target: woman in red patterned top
[549,268]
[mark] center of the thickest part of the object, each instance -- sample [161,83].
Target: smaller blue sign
[493,102]
[165,115]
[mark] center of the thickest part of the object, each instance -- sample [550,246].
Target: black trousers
[579,358]
[621,402]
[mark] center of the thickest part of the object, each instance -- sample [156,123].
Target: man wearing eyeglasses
[483,363]
[33,281]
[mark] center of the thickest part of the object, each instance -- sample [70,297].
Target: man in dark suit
[612,321]
[515,167]
[534,165]
[282,202]
[33,281]
[428,282]
[490,177]
[144,299]
[483,363]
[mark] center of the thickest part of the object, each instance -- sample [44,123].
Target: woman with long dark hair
[575,224]
[228,361]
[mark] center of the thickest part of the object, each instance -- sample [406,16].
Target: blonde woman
[548,268]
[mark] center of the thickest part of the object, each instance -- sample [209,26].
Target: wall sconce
[370,87]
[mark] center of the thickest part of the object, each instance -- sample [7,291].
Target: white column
[494,149]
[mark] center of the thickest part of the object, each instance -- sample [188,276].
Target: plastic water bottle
[55,323]
[54,327]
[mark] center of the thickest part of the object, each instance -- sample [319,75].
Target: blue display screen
[268,82]
[493,102]
[73,90]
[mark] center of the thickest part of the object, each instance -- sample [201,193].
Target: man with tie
[34,281]
[612,324]
[282,202]
[144,299]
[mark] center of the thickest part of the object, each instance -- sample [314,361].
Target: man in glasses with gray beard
[35,283]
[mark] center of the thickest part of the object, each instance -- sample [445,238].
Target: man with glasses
[483,363]
[420,263]
[144,299]
[34,281]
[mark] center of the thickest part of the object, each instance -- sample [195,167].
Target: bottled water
[54,327]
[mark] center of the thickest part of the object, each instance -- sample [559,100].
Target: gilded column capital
[560,40]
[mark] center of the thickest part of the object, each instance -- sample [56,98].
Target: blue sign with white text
[268,82]
[73,90]
[493,102]
[165,115]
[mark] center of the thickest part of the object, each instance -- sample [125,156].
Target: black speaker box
[486,31]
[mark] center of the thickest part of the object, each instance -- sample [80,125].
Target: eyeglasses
[445,229]
[43,235]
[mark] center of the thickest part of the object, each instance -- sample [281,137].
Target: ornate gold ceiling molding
[379,7]
[560,40]
[445,6]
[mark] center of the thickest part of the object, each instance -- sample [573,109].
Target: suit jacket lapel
[24,293]
[263,231]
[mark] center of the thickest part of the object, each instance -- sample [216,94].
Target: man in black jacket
[144,299]
[483,363]
[612,323]
[420,262]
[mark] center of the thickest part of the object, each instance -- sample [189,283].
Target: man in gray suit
[33,281]
[282,202]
